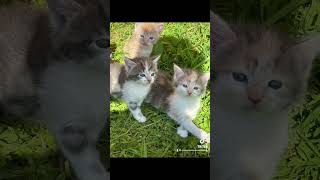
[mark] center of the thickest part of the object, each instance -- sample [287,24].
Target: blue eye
[142,36]
[142,75]
[240,77]
[274,84]
[184,85]
[151,38]
[152,74]
[195,88]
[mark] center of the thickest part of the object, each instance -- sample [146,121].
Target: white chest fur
[184,107]
[135,92]
[253,140]
[145,51]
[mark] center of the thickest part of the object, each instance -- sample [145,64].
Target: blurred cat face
[259,70]
[141,70]
[83,38]
[190,83]
[257,76]
[148,33]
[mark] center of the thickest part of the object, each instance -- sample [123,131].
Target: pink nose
[149,79]
[189,93]
[254,100]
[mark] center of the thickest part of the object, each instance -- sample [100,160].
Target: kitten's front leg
[182,132]
[80,149]
[135,109]
[188,125]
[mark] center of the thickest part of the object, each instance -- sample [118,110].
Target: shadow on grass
[179,51]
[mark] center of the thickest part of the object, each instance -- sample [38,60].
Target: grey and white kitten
[260,75]
[73,89]
[133,81]
[181,99]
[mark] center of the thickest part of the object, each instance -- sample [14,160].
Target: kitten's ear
[221,33]
[129,64]
[178,72]
[205,78]
[160,27]
[156,59]
[137,25]
[305,52]
[61,11]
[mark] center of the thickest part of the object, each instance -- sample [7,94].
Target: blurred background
[27,150]
[36,2]
[299,18]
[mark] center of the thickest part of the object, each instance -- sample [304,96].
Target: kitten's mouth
[251,108]
[145,44]
[255,108]
[147,82]
[189,95]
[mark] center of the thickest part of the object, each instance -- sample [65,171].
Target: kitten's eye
[184,85]
[195,88]
[142,36]
[151,38]
[240,77]
[275,84]
[142,75]
[103,43]
[152,74]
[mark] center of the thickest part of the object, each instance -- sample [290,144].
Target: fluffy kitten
[133,81]
[260,75]
[73,89]
[141,43]
[181,99]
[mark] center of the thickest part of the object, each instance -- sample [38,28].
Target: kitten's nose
[189,93]
[255,94]
[149,79]
[254,100]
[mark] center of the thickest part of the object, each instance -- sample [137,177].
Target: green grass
[185,44]
[28,151]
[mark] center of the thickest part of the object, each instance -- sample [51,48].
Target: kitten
[73,88]
[141,43]
[19,26]
[133,81]
[260,74]
[181,99]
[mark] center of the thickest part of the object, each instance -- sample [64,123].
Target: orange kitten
[141,43]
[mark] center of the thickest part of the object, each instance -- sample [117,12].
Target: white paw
[171,115]
[141,119]
[205,137]
[183,133]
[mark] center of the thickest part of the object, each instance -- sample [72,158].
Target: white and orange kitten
[141,43]
[181,99]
